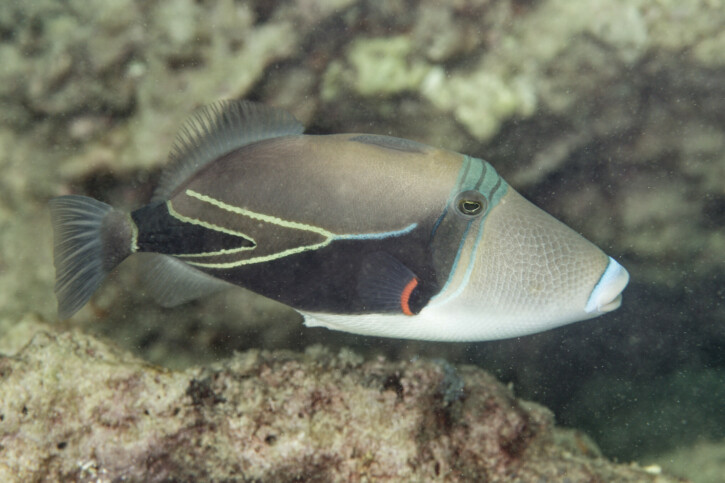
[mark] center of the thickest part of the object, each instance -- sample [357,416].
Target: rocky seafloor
[76,409]
[609,114]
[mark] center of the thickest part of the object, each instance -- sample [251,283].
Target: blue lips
[607,293]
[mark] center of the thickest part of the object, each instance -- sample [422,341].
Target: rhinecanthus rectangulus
[358,232]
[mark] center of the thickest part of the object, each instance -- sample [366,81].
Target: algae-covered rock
[75,408]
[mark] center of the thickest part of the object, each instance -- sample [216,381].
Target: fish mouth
[607,293]
[613,305]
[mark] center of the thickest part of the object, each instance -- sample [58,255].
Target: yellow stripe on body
[259,216]
[205,224]
[209,226]
[224,251]
[328,235]
[264,258]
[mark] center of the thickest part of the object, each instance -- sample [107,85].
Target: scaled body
[363,233]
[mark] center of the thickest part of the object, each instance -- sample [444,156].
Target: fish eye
[470,207]
[471,203]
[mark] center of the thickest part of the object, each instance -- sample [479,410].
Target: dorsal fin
[217,129]
[390,142]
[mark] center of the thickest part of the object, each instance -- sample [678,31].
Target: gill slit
[435,300]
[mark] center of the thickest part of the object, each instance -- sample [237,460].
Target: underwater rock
[75,408]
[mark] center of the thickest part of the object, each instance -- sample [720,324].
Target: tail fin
[91,238]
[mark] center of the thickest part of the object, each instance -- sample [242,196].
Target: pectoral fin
[385,285]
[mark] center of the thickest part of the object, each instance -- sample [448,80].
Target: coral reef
[74,408]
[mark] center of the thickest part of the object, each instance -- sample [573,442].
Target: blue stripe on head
[475,174]
[438,222]
[484,179]
[377,236]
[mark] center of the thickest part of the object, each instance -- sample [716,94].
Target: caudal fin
[91,238]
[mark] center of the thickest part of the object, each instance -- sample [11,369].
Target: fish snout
[607,293]
[533,273]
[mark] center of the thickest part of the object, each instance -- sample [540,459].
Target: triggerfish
[362,233]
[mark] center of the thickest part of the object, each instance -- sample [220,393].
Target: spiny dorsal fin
[217,129]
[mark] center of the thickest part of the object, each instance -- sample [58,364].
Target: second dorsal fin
[217,129]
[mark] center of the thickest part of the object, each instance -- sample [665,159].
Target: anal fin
[312,321]
[172,282]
